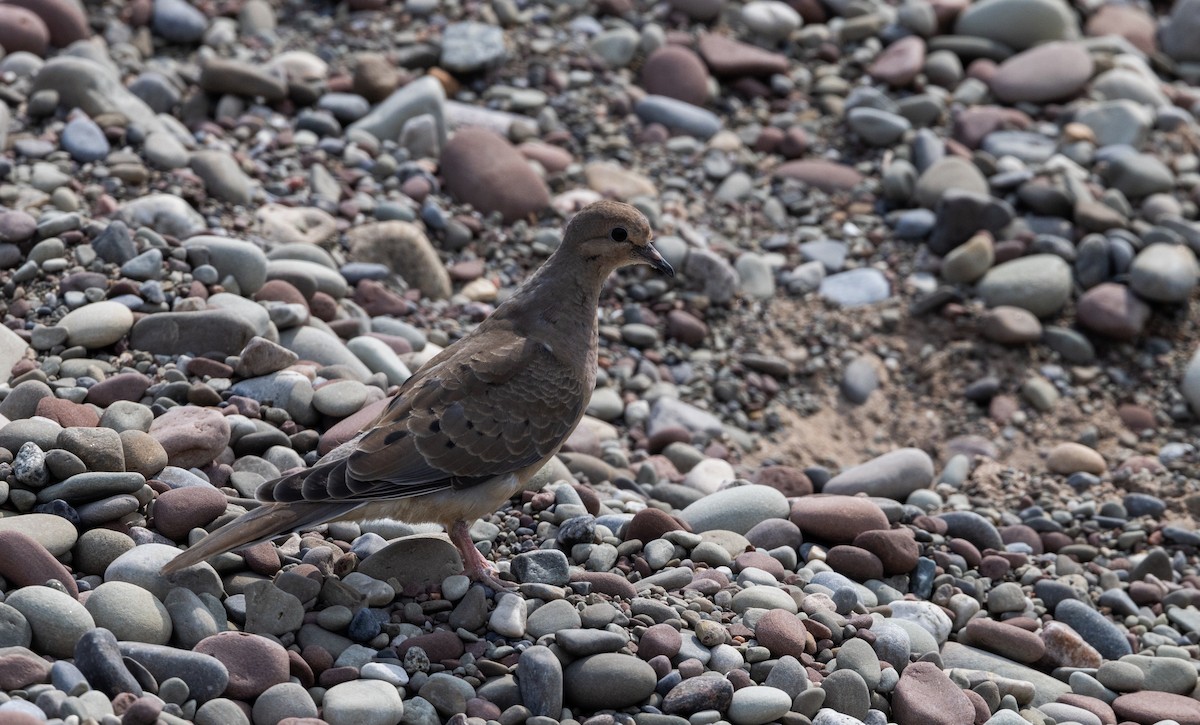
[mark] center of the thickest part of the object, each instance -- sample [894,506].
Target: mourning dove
[466,432]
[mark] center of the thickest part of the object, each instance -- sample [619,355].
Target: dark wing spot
[396,435]
[435,426]
[450,444]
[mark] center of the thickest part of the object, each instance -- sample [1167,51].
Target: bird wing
[496,406]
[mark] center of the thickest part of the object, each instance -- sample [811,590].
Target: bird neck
[567,288]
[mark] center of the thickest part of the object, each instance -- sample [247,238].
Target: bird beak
[654,259]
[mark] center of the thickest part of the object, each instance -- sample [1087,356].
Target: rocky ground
[911,437]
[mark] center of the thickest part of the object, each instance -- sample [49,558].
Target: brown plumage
[476,422]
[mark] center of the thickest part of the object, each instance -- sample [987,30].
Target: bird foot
[475,566]
[489,577]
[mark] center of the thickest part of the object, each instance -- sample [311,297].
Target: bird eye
[618,234]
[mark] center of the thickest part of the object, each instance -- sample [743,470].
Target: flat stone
[1040,283]
[893,475]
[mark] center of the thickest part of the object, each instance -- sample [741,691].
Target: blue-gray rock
[540,678]
[84,140]
[468,47]
[974,528]
[1137,175]
[205,676]
[99,660]
[857,287]
[1018,24]
[423,97]
[709,271]
[679,116]
[167,214]
[859,380]
[1096,629]
[542,566]
[893,475]
[608,680]
[736,509]
[1040,283]
[1164,273]
[669,412]
[832,253]
[178,21]
[877,127]
[115,244]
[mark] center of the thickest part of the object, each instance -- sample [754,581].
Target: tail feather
[265,522]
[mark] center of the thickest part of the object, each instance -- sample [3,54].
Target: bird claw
[475,565]
[488,576]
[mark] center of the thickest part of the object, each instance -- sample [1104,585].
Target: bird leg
[475,566]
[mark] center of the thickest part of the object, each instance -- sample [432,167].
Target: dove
[476,422]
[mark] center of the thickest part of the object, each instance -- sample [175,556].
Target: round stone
[837,519]
[1040,283]
[97,325]
[755,705]
[131,613]
[676,72]
[255,663]
[362,702]
[893,475]
[285,700]
[608,681]
[1164,273]
[736,509]
[1067,458]
[57,620]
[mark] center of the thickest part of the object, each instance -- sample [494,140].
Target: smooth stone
[56,619]
[1040,283]
[738,508]
[1108,639]
[1019,24]
[1164,273]
[756,705]
[243,261]
[608,680]
[97,325]
[206,677]
[679,116]
[131,613]
[856,287]
[893,475]
[1022,78]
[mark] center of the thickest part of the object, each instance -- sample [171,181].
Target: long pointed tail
[264,522]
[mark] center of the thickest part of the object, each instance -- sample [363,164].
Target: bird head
[612,234]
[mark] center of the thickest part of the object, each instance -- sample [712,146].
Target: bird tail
[264,522]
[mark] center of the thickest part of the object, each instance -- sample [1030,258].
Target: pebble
[97,325]
[1164,273]
[1039,283]
[607,680]
[131,613]
[736,509]
[362,702]
[836,518]
[893,475]
[56,618]
[755,705]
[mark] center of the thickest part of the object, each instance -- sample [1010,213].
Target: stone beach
[910,438]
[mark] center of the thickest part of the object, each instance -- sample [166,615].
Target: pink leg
[475,566]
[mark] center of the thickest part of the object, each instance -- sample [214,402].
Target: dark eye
[618,234]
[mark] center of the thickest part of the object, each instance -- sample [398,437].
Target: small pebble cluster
[911,437]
